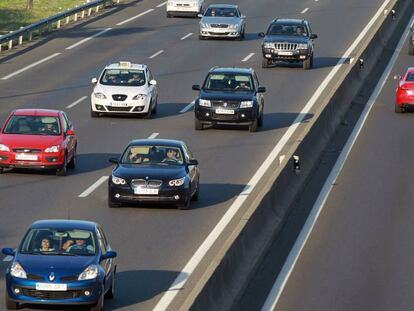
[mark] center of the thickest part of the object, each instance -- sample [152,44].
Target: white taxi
[184,7]
[124,88]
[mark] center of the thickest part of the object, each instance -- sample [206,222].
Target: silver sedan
[222,21]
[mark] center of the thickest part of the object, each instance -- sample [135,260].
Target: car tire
[94,114]
[398,109]
[196,194]
[200,37]
[10,304]
[265,63]
[1,170]
[72,162]
[149,113]
[307,64]
[253,126]
[260,120]
[186,205]
[112,204]
[198,125]
[411,49]
[168,15]
[111,291]
[63,170]
[154,110]
[99,306]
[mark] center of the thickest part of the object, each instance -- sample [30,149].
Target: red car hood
[29,141]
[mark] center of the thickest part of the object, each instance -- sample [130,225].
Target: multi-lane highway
[154,244]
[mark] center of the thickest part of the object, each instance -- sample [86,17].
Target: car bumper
[404,99]
[109,107]
[219,33]
[43,160]
[295,55]
[241,116]
[74,295]
[183,11]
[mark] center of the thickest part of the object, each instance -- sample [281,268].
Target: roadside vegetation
[14,13]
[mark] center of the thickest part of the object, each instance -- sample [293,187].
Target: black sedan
[230,96]
[154,171]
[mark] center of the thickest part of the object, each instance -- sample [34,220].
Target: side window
[64,123]
[150,77]
[256,81]
[102,244]
[187,152]
[309,29]
[69,123]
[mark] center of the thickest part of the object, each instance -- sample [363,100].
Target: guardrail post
[67,19]
[97,9]
[83,14]
[49,27]
[30,36]
[10,44]
[0,48]
[89,11]
[58,24]
[21,38]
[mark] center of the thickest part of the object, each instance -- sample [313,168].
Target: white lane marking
[190,266]
[77,102]
[188,107]
[88,38]
[186,36]
[247,57]
[30,66]
[161,4]
[156,54]
[134,17]
[92,188]
[304,11]
[153,135]
[8,258]
[282,279]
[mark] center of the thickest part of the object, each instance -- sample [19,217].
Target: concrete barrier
[229,272]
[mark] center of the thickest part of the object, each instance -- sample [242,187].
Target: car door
[106,264]
[193,171]
[259,96]
[153,88]
[70,139]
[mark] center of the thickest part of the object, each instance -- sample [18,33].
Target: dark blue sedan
[61,262]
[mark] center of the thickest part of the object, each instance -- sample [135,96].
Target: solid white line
[247,57]
[153,135]
[77,102]
[88,38]
[283,277]
[161,4]
[8,258]
[30,66]
[188,107]
[92,188]
[134,17]
[156,54]
[304,11]
[186,36]
[184,275]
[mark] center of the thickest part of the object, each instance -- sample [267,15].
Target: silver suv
[222,21]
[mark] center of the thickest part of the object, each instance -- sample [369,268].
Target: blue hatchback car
[61,262]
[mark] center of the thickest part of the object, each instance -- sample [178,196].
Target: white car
[184,7]
[124,88]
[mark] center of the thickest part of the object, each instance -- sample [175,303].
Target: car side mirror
[109,255]
[261,34]
[397,77]
[243,16]
[199,15]
[153,82]
[313,36]
[196,87]
[114,160]
[94,80]
[193,162]
[8,251]
[70,133]
[261,89]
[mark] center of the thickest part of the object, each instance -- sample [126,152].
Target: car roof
[292,21]
[217,5]
[36,112]
[155,142]
[232,70]
[126,65]
[64,224]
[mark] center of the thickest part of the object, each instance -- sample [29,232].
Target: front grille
[51,295]
[119,97]
[152,183]
[229,104]
[182,4]
[69,278]
[219,25]
[27,150]
[224,117]
[115,109]
[34,277]
[285,46]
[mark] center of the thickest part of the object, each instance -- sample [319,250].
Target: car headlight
[4,148]
[100,95]
[268,45]
[233,26]
[302,46]
[246,104]
[176,182]
[52,149]
[204,25]
[204,102]
[89,273]
[139,97]
[118,180]
[17,271]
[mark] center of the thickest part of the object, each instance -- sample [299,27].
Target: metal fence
[27,33]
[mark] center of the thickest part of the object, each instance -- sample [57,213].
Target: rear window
[410,76]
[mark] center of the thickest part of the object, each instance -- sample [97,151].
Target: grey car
[222,21]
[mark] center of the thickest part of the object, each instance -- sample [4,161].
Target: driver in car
[80,245]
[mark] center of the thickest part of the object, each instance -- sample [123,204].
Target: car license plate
[119,104]
[224,111]
[26,157]
[147,191]
[285,53]
[51,287]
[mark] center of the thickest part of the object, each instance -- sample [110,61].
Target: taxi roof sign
[124,65]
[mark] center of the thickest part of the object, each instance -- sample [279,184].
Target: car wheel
[112,204]
[185,205]
[10,304]
[99,306]
[411,49]
[254,125]
[1,170]
[94,114]
[111,291]
[72,163]
[63,170]
[200,37]
[149,113]
[168,15]
[260,121]
[197,193]
[198,125]
[307,64]
[399,109]
[154,110]
[265,63]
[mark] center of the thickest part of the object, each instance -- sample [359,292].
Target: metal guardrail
[54,22]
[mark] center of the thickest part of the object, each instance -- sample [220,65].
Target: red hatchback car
[404,95]
[38,139]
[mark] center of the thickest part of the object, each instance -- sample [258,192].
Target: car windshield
[149,155]
[410,76]
[123,77]
[33,125]
[62,242]
[279,29]
[221,12]
[229,82]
